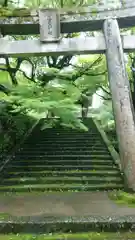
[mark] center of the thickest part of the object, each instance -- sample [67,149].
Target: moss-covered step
[58,152]
[73,137]
[69,225]
[83,145]
[56,146]
[70,140]
[98,141]
[60,180]
[48,166]
[65,156]
[61,187]
[71,236]
[69,173]
[59,167]
[63,148]
[64,132]
[50,162]
[47,161]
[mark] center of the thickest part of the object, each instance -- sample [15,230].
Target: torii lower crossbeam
[88,45]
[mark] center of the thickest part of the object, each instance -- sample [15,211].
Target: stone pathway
[63,205]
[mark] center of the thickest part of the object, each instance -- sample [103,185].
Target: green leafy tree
[59,3]
[58,91]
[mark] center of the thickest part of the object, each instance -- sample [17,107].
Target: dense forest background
[60,86]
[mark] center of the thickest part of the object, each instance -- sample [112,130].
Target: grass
[76,236]
[4,216]
[122,197]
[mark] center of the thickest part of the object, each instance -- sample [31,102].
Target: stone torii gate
[49,23]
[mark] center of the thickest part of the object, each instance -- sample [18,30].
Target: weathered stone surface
[121,99]
[91,18]
[64,212]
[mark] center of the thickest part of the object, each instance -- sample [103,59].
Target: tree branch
[80,74]
[90,66]
[45,78]
[48,61]
[4,89]
[32,72]
[25,75]
[97,74]
[131,56]
[5,3]
[103,97]
[64,62]
[11,72]
[105,90]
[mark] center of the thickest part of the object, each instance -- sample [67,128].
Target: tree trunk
[121,99]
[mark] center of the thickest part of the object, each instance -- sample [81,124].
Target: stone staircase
[61,159]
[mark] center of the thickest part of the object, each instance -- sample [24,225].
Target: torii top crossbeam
[90,18]
[31,22]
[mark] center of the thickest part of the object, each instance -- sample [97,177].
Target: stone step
[61,167]
[64,131]
[58,152]
[54,145]
[64,157]
[60,187]
[71,139]
[90,142]
[91,129]
[62,162]
[60,180]
[63,148]
[64,173]
[76,141]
